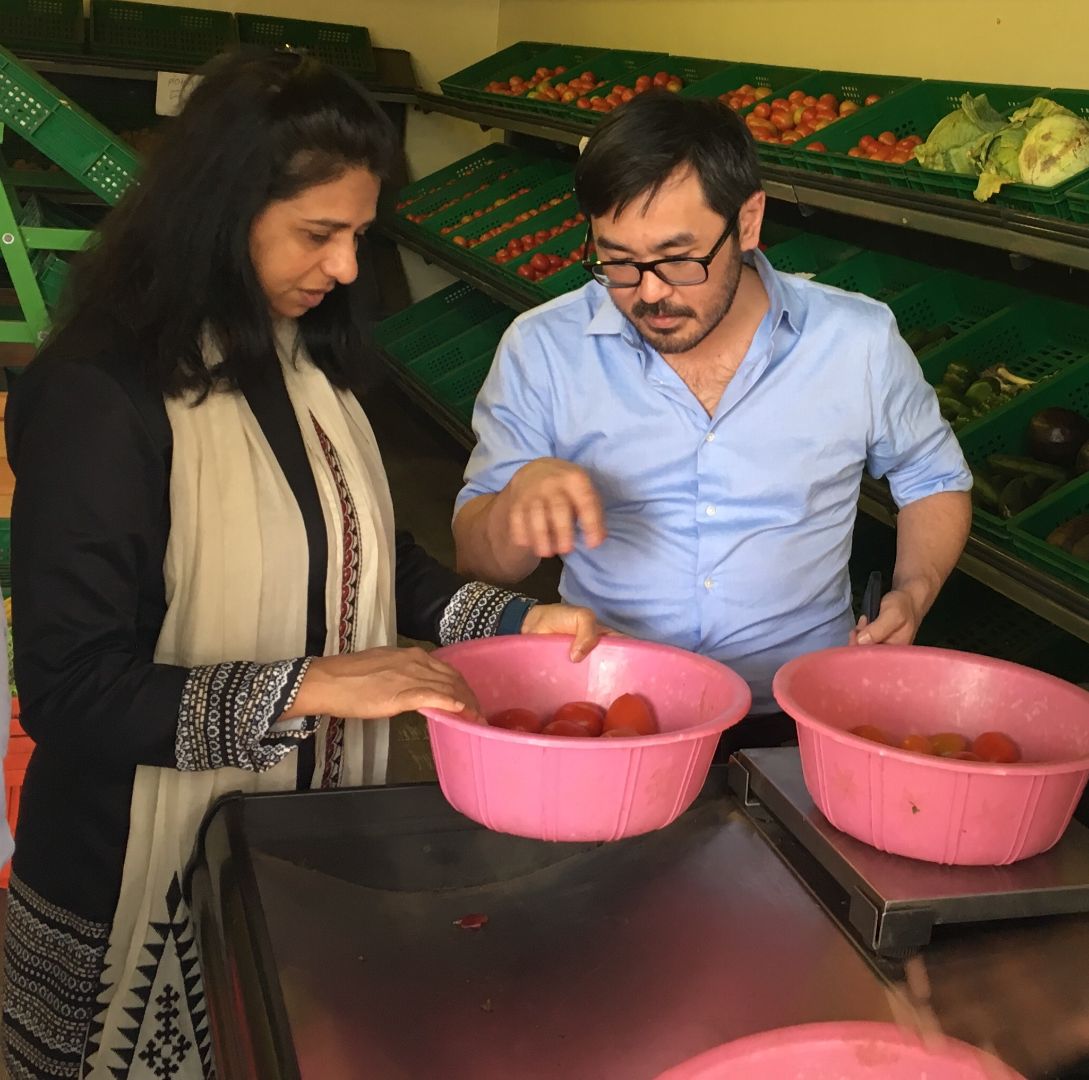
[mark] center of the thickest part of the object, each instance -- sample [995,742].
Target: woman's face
[302,247]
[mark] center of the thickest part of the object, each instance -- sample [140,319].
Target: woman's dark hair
[640,145]
[173,257]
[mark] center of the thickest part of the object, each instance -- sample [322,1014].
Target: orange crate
[20,747]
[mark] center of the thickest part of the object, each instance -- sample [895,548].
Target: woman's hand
[381,682]
[579,622]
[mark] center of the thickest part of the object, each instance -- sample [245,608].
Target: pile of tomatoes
[621,94]
[744,96]
[523,244]
[992,746]
[417,218]
[799,115]
[887,147]
[517,86]
[479,213]
[630,715]
[542,265]
[518,219]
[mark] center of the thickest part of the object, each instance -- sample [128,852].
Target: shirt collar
[608,320]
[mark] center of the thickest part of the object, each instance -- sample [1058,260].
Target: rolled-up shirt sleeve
[512,418]
[910,443]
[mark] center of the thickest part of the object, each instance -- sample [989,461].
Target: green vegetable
[955,138]
[920,339]
[1020,493]
[1026,466]
[984,492]
[980,392]
[950,408]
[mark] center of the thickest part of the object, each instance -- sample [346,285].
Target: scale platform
[893,903]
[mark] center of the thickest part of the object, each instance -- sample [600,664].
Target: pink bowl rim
[842,1031]
[782,691]
[698,731]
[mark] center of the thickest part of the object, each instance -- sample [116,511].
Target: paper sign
[171,90]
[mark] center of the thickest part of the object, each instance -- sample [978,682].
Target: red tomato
[661,78]
[675,85]
[582,103]
[901,157]
[809,100]
[620,733]
[796,97]
[996,746]
[586,713]
[541,235]
[631,711]
[502,256]
[763,110]
[867,142]
[643,83]
[854,152]
[517,720]
[870,732]
[527,271]
[888,138]
[567,728]
[872,99]
[460,241]
[828,99]
[817,147]
[948,742]
[918,744]
[539,262]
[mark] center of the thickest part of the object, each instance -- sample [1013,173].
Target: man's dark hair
[640,145]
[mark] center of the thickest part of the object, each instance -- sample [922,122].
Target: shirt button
[710,437]
[708,583]
[710,511]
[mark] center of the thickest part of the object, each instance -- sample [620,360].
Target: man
[688,432]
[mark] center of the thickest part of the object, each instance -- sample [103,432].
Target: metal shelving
[1033,236]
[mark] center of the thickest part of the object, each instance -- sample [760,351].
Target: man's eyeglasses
[673,270]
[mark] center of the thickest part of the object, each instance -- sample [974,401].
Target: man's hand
[897,622]
[545,501]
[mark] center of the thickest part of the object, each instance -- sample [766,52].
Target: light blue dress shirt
[728,535]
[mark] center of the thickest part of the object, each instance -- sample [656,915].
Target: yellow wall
[442,37]
[1035,42]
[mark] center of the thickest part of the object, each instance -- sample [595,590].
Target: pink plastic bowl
[938,809]
[843,1051]
[552,788]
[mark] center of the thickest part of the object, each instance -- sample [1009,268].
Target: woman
[201,508]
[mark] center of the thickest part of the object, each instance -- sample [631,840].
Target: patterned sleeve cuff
[227,711]
[477,610]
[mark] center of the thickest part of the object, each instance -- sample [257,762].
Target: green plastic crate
[433,308]
[772,233]
[462,382]
[1038,339]
[432,365]
[446,207]
[693,70]
[52,278]
[611,67]
[544,221]
[736,75]
[1032,528]
[160,34]
[523,58]
[913,111]
[883,277]
[1048,201]
[40,114]
[808,253]
[53,26]
[558,283]
[534,203]
[1005,431]
[430,333]
[434,182]
[463,409]
[1077,202]
[950,299]
[852,85]
[343,46]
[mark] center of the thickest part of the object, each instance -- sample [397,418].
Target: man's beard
[685,337]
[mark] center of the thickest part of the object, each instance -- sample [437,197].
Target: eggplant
[1081,462]
[1057,435]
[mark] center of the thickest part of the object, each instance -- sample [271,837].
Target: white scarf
[236,589]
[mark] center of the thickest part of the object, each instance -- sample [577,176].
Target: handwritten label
[171,90]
